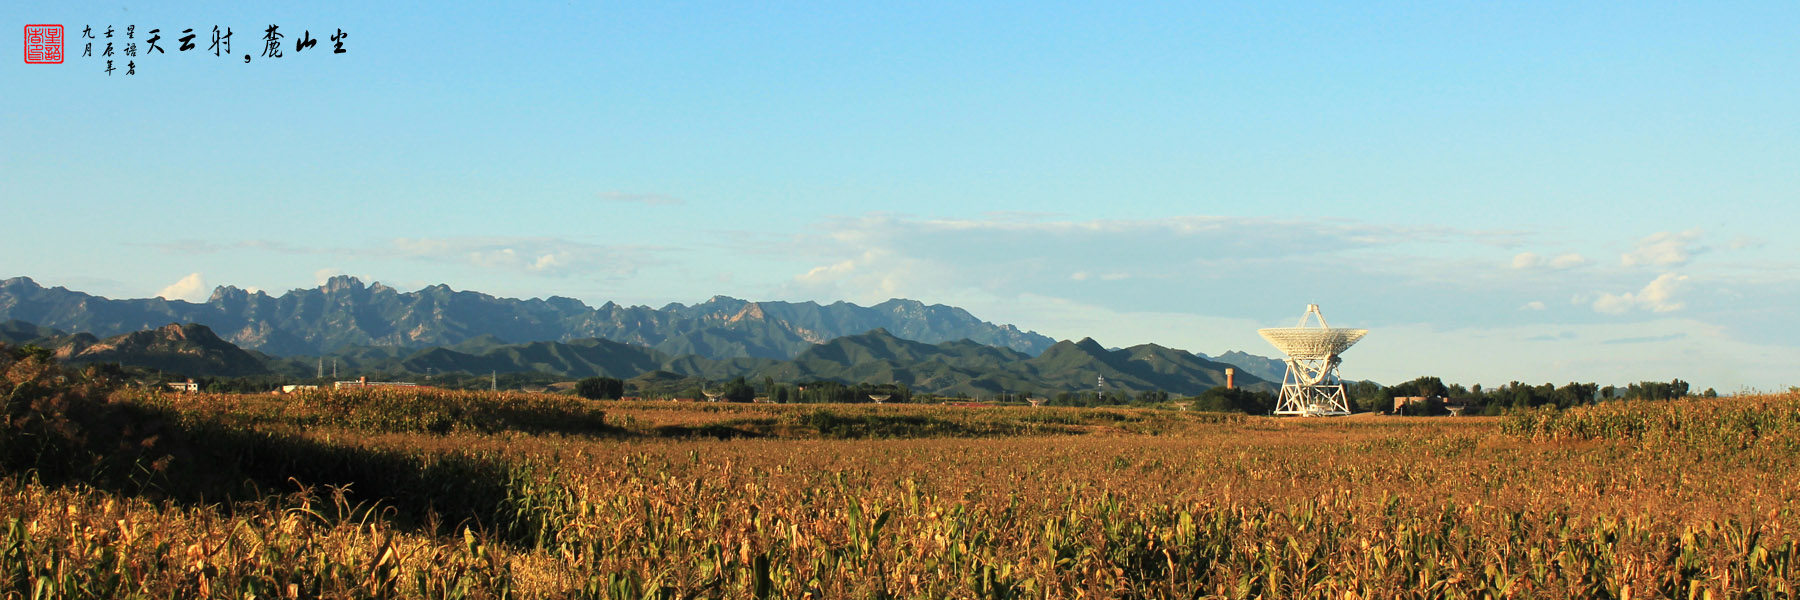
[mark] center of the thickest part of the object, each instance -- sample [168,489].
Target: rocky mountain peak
[226,293]
[175,331]
[751,311]
[340,283]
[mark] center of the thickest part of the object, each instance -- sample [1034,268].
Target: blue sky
[1540,193]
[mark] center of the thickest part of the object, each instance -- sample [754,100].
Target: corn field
[430,494]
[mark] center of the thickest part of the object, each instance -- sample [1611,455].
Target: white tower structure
[1312,387]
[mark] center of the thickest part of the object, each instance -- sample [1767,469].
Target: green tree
[738,390]
[1575,394]
[1368,396]
[1223,399]
[1427,386]
[600,388]
[33,352]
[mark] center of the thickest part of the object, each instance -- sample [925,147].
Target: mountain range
[876,356]
[377,329]
[344,313]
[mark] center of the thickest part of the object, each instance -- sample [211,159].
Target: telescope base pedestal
[1312,400]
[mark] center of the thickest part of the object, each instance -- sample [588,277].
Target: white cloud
[828,273]
[1533,260]
[1664,249]
[1567,261]
[548,261]
[191,288]
[1657,296]
[873,276]
[1533,305]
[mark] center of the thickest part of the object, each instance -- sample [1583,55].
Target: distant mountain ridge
[876,356]
[1260,366]
[344,313]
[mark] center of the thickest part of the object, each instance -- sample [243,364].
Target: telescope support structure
[1324,397]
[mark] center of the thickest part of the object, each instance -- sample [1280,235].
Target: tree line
[1365,396]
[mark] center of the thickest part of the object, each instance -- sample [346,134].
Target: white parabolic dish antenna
[1311,386]
[1299,342]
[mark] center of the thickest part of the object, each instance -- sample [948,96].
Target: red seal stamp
[43,44]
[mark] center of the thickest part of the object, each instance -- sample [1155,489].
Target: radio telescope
[880,398]
[1312,387]
[711,396]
